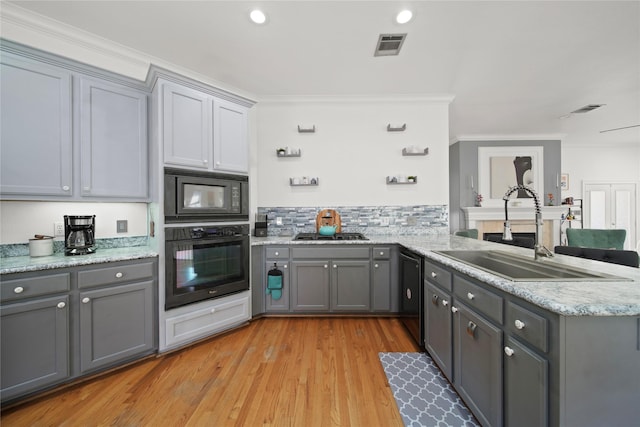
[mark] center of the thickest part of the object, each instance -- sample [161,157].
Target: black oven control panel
[206,232]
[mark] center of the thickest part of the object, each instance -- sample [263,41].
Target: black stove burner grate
[337,236]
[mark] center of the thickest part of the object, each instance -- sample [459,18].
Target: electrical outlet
[58,229]
[122,225]
[384,221]
[278,220]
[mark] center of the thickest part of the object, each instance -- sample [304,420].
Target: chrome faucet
[539,251]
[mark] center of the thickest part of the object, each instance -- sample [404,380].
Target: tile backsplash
[372,220]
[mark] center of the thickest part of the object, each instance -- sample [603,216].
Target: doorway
[612,205]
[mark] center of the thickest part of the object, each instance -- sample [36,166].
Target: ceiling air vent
[389,44]
[587,108]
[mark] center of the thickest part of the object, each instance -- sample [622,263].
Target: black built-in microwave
[195,196]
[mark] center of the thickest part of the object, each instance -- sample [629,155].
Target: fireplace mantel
[490,219]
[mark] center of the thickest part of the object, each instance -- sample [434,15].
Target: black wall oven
[205,262]
[196,196]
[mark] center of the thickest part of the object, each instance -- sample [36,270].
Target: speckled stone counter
[21,264]
[611,298]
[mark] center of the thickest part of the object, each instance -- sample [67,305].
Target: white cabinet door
[36,135]
[186,127]
[230,145]
[113,141]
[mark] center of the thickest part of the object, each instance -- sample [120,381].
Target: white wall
[351,151]
[19,221]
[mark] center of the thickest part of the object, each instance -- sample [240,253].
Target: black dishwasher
[411,298]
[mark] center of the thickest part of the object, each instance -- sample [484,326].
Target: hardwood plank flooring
[274,372]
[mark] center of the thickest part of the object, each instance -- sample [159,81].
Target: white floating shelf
[306,129]
[396,128]
[393,180]
[293,153]
[410,152]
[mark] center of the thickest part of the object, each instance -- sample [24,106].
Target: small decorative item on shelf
[281,152]
[396,128]
[412,178]
[478,199]
[550,199]
[306,129]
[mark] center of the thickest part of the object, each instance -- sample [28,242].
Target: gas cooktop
[337,236]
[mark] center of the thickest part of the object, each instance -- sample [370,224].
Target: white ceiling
[514,67]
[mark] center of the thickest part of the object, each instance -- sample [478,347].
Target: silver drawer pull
[470,295]
[519,324]
[326,266]
[85,300]
[66,188]
[18,290]
[445,302]
[285,266]
[454,309]
[277,253]
[433,274]
[62,305]
[508,351]
[119,275]
[213,310]
[375,265]
[381,253]
[335,265]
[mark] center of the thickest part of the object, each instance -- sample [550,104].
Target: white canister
[41,247]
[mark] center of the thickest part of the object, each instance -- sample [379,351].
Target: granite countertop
[22,264]
[611,298]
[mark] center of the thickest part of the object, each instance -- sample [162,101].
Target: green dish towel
[274,286]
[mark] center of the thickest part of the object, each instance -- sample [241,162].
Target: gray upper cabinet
[230,145]
[36,131]
[70,131]
[202,131]
[186,126]
[113,141]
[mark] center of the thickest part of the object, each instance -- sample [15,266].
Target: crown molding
[319,99]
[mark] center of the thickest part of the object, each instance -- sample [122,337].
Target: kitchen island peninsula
[558,353]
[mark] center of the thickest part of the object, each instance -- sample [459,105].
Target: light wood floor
[273,372]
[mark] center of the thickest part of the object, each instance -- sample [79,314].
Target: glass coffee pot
[79,232]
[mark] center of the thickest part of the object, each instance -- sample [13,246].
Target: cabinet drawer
[381,253]
[200,323]
[484,301]
[438,275]
[527,325]
[277,253]
[34,286]
[117,274]
[331,253]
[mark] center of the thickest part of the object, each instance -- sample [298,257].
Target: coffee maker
[79,232]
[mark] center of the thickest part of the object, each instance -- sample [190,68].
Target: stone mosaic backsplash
[373,220]
[22,249]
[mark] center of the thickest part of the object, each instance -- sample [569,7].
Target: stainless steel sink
[521,269]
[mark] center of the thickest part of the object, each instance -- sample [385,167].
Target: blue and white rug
[423,395]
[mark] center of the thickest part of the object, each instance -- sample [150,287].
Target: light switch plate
[122,225]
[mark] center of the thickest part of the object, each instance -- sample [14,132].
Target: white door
[611,205]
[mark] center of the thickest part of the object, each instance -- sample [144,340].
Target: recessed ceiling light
[404,17]
[258,16]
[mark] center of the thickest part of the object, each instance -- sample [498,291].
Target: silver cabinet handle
[434,300]
[213,310]
[445,302]
[454,309]
[62,305]
[470,295]
[205,161]
[519,324]
[277,253]
[85,300]
[375,265]
[381,253]
[18,290]
[285,266]
[508,351]
[218,163]
[119,275]
[433,274]
[326,266]
[87,188]
[65,188]
[335,265]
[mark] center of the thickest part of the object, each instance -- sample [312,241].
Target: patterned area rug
[423,395]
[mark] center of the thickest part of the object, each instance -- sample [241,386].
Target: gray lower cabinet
[438,328]
[57,327]
[526,385]
[115,324]
[381,287]
[350,285]
[310,285]
[35,345]
[477,349]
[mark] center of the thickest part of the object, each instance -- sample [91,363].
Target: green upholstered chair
[472,233]
[594,238]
